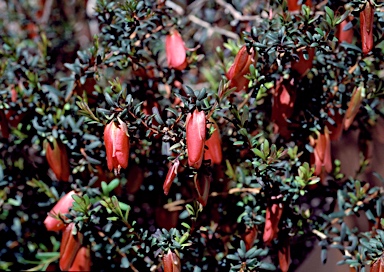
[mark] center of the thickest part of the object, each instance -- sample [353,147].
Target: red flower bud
[13,95]
[284,255]
[82,261]
[176,51]
[366,27]
[240,68]
[56,154]
[322,152]
[116,145]
[171,262]
[344,35]
[69,247]
[272,219]
[195,130]
[172,173]
[61,207]
[353,106]
[214,152]
[293,5]
[284,97]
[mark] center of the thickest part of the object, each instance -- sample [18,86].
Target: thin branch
[212,29]
[236,14]
[46,12]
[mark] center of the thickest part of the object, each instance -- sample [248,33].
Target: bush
[189,135]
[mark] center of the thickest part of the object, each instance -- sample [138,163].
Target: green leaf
[113,184]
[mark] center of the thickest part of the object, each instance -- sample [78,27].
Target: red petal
[69,247]
[82,261]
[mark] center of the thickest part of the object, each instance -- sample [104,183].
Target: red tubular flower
[322,153]
[171,175]
[284,255]
[134,179]
[171,262]
[4,129]
[116,145]
[13,95]
[82,261]
[69,247]
[240,68]
[284,97]
[214,152]
[302,66]
[353,106]
[195,130]
[176,51]
[335,130]
[57,159]
[293,5]
[250,237]
[344,35]
[366,27]
[378,265]
[61,207]
[203,183]
[165,218]
[272,219]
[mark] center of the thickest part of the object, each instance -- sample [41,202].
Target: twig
[212,29]
[236,14]
[46,12]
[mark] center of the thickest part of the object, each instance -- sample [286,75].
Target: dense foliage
[189,135]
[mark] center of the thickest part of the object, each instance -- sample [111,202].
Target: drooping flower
[117,145]
[302,65]
[293,5]
[240,68]
[56,154]
[353,106]
[203,183]
[176,51]
[195,130]
[378,265]
[366,27]
[214,152]
[171,262]
[171,175]
[284,255]
[335,129]
[165,218]
[284,97]
[61,207]
[4,129]
[70,245]
[82,261]
[272,219]
[322,153]
[342,34]
[134,179]
[250,237]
